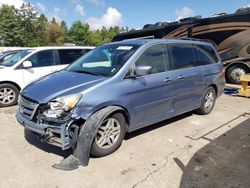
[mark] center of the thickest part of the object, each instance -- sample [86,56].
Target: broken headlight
[58,106]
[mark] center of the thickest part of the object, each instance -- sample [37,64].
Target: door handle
[181,77]
[168,80]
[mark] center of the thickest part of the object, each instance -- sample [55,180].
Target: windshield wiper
[87,72]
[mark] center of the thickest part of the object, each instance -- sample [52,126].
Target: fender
[85,139]
[229,64]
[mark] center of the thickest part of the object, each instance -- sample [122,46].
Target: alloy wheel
[209,100]
[7,95]
[108,133]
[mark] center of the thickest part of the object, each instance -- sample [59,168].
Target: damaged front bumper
[61,134]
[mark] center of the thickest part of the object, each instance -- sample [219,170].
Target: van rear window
[205,55]
[183,56]
[67,56]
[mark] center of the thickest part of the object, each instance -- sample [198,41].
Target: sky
[128,13]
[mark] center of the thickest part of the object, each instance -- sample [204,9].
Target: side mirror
[143,70]
[27,64]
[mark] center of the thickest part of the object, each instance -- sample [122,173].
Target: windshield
[14,59]
[105,60]
[7,56]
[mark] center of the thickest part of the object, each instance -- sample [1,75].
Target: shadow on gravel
[224,162]
[33,140]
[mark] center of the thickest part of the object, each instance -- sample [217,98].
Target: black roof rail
[146,37]
[190,39]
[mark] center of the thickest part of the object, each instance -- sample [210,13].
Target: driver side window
[155,56]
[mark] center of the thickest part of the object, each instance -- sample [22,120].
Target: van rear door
[213,72]
[188,79]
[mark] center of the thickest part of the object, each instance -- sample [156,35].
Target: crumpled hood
[60,84]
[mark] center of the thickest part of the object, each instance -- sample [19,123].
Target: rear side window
[205,55]
[183,56]
[67,56]
[42,59]
[155,56]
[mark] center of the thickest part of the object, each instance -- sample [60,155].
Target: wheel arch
[89,130]
[237,63]
[215,88]
[126,115]
[118,109]
[12,83]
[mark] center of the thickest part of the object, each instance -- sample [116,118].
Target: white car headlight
[62,104]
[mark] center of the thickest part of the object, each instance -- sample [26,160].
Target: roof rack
[146,37]
[190,39]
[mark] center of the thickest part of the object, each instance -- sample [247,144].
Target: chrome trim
[27,108]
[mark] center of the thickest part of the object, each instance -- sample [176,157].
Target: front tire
[234,73]
[8,95]
[109,135]
[208,102]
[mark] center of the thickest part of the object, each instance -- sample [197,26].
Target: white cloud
[55,14]
[111,18]
[183,13]
[16,3]
[40,6]
[80,9]
[57,10]
[97,2]
[74,1]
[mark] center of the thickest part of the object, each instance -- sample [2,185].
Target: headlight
[62,104]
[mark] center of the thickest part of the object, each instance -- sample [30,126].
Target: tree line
[26,27]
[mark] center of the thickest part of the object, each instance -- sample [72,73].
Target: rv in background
[230,33]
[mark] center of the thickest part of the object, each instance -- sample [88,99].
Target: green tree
[10,27]
[54,33]
[108,34]
[112,32]
[24,27]
[28,15]
[79,33]
[65,30]
[95,38]
[104,33]
[41,38]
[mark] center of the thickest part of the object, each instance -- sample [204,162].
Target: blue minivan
[118,88]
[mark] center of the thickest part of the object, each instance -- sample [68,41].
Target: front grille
[27,107]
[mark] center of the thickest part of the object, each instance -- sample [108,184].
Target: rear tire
[109,136]
[8,95]
[208,102]
[233,73]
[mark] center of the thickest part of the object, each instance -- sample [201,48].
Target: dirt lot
[187,151]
